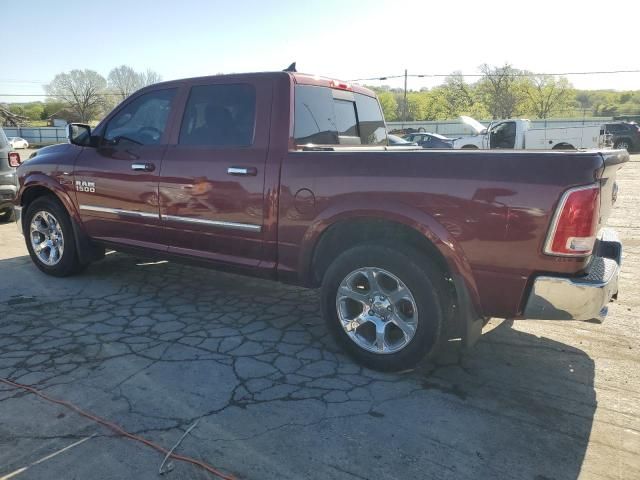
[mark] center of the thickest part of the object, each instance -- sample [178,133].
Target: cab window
[219,115]
[142,121]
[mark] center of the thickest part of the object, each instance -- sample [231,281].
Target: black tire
[425,282]
[469,147]
[563,146]
[68,263]
[7,215]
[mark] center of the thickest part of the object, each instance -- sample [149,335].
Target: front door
[213,174]
[503,135]
[117,183]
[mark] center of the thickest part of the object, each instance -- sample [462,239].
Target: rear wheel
[563,146]
[49,237]
[469,147]
[384,307]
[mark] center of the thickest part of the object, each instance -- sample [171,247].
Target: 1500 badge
[84,186]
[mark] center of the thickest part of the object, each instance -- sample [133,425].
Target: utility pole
[404,103]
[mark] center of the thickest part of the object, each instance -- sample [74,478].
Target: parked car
[287,176]
[399,141]
[518,134]
[8,181]
[18,142]
[430,140]
[625,135]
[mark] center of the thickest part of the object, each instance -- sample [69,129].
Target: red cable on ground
[119,430]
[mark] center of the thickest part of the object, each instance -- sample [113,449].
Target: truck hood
[474,124]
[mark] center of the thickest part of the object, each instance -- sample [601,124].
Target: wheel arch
[40,186]
[563,146]
[329,236]
[425,235]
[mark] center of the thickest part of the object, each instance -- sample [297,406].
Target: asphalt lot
[156,346]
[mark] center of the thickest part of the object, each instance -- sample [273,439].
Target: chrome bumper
[579,298]
[18,216]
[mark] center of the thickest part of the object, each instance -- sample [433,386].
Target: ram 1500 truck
[289,177]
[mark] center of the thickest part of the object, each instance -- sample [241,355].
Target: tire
[7,215]
[469,147]
[422,310]
[624,143]
[563,146]
[53,219]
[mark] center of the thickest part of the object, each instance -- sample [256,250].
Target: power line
[515,74]
[107,94]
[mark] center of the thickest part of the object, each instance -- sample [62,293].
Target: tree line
[505,92]
[86,93]
[500,92]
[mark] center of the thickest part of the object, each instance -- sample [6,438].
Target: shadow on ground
[156,346]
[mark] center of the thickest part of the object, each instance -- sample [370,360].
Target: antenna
[291,68]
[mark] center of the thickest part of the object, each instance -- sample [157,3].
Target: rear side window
[322,119]
[219,115]
[373,131]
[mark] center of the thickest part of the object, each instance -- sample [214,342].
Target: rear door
[212,178]
[117,183]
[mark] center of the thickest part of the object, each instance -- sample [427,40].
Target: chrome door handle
[143,167]
[242,171]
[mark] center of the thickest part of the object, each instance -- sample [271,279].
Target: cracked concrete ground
[156,346]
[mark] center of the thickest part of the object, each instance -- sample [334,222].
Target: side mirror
[14,159]
[484,132]
[79,134]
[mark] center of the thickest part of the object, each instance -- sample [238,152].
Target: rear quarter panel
[487,212]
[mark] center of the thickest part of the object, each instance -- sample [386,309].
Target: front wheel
[384,307]
[49,237]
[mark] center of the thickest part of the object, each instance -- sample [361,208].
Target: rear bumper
[579,298]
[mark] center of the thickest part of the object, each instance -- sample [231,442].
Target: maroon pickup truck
[290,177]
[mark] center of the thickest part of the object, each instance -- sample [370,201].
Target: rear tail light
[14,159]
[573,230]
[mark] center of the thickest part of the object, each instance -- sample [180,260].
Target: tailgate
[613,161]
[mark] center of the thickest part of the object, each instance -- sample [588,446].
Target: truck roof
[298,78]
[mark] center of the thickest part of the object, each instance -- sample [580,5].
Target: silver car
[8,180]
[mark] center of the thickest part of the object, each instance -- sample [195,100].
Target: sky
[341,39]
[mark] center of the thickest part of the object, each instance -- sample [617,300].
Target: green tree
[51,107]
[389,106]
[547,95]
[502,90]
[417,106]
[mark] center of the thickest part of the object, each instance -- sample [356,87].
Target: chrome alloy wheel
[377,310]
[46,237]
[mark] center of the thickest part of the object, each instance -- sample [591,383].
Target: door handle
[249,171]
[143,167]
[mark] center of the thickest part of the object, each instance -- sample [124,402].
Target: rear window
[327,117]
